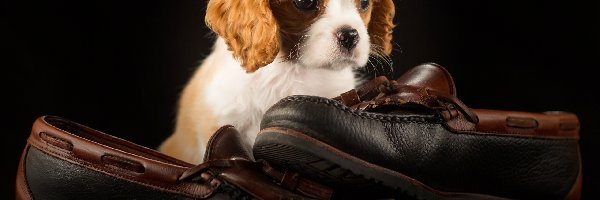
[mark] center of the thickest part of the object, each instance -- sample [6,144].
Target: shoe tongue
[429,75]
[227,143]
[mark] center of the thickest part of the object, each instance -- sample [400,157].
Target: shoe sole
[291,149]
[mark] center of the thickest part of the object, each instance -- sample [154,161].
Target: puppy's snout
[347,37]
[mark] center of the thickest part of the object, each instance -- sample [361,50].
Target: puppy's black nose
[347,38]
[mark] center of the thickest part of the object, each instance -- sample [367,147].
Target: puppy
[270,49]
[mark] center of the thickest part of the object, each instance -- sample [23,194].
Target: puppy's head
[314,33]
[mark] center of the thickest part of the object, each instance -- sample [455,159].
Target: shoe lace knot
[381,91]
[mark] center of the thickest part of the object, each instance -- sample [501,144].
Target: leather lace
[382,91]
[201,168]
[287,179]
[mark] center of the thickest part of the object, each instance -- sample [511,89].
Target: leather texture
[227,143]
[419,128]
[66,160]
[52,178]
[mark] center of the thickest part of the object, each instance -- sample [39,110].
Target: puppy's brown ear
[249,29]
[381,25]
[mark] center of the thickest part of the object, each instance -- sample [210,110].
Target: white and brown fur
[267,50]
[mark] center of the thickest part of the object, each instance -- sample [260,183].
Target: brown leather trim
[350,98]
[547,124]
[256,184]
[366,92]
[554,124]
[21,188]
[294,182]
[575,193]
[159,172]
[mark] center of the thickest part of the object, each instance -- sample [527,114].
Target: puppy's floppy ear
[381,25]
[249,29]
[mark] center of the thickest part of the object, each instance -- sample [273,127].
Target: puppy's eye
[364,5]
[306,4]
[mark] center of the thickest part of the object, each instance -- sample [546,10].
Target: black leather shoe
[66,160]
[413,135]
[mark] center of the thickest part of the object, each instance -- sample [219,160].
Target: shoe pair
[409,137]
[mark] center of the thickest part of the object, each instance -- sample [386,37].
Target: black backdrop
[118,66]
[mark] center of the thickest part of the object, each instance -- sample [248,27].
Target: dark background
[118,66]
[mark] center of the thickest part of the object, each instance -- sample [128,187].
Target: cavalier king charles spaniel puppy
[267,50]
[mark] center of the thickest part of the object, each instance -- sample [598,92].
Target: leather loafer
[414,137]
[65,160]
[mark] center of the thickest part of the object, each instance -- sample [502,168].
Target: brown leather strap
[294,182]
[469,114]
[192,172]
[288,180]
[366,92]
[381,91]
[350,98]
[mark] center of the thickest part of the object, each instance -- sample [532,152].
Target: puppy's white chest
[240,99]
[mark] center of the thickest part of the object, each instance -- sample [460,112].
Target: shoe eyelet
[521,122]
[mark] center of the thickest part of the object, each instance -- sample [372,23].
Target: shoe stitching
[108,147]
[366,115]
[78,161]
